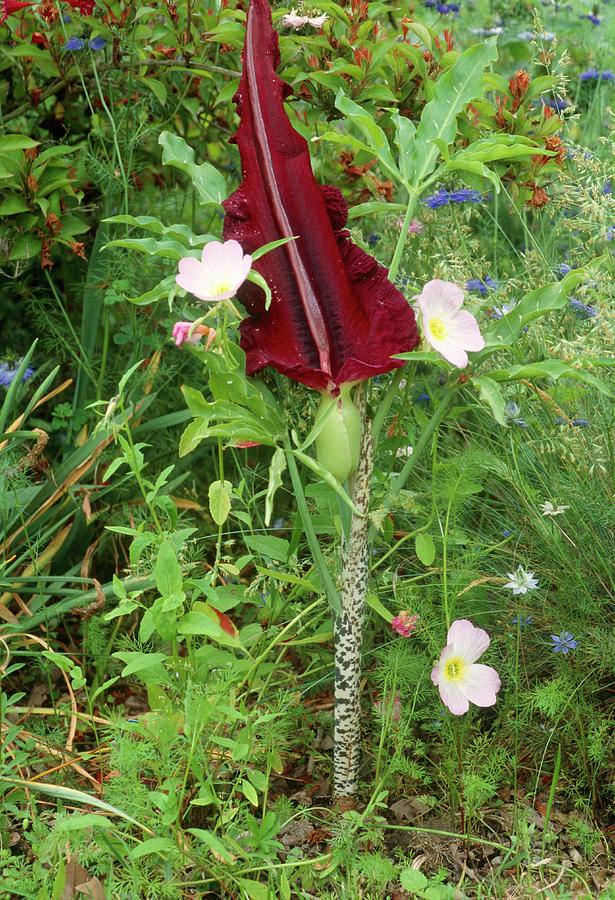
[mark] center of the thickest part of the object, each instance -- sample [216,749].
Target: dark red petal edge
[334,316]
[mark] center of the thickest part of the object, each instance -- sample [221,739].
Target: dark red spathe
[334,316]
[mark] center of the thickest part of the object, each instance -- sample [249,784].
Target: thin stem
[403,234]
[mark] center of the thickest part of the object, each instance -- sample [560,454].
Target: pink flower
[181,334]
[222,270]
[292,20]
[446,327]
[459,680]
[389,706]
[403,623]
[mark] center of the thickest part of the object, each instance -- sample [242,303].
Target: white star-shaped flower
[521,581]
[551,509]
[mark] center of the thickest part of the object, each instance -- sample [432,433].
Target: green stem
[422,443]
[323,571]
[403,234]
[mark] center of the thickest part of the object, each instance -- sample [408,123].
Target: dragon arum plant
[325,314]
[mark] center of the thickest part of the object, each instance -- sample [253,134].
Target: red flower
[334,316]
[8,7]
[85,7]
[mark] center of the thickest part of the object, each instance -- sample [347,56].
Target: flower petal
[192,277]
[451,353]
[480,685]
[453,697]
[465,331]
[468,641]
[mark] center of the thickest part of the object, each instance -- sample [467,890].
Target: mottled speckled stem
[349,626]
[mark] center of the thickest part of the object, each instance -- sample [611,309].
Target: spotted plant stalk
[349,628]
[334,320]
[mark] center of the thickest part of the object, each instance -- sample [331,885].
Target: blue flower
[482,285]
[465,195]
[74,44]
[440,198]
[423,398]
[556,103]
[591,18]
[506,533]
[8,373]
[607,187]
[595,75]
[373,239]
[563,642]
[522,621]
[580,423]
[98,43]
[512,411]
[583,310]
[563,269]
[498,312]
[443,198]
[610,233]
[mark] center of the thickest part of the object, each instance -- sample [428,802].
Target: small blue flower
[610,233]
[465,195]
[74,44]
[583,310]
[66,18]
[563,269]
[560,420]
[98,43]
[559,104]
[8,373]
[607,187]
[423,398]
[512,411]
[563,642]
[482,285]
[595,75]
[498,312]
[522,621]
[440,198]
[580,423]
[506,533]
[591,18]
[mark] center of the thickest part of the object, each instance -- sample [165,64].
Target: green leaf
[457,87]
[491,394]
[151,247]
[373,601]
[11,142]
[269,546]
[80,821]
[209,183]
[550,368]
[276,468]
[155,226]
[220,501]
[214,844]
[374,135]
[425,548]
[249,791]
[255,890]
[412,880]
[167,571]
[405,131]
[12,204]
[153,845]
[135,661]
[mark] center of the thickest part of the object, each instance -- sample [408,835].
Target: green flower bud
[339,442]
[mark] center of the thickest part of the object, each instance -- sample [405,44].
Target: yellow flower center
[454,669]
[438,329]
[223,286]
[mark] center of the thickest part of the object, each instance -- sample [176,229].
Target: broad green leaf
[167,571]
[249,791]
[220,501]
[11,142]
[215,845]
[373,207]
[405,131]
[425,548]
[374,602]
[550,368]
[413,880]
[457,87]
[209,183]
[373,134]
[276,468]
[153,845]
[151,247]
[269,546]
[491,394]
[155,226]
[80,821]
[135,661]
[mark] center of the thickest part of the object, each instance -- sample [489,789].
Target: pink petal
[468,641]
[435,674]
[453,697]
[451,353]
[480,685]
[466,331]
[444,294]
[191,276]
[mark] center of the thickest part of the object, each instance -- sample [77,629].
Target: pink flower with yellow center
[219,273]
[450,330]
[459,679]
